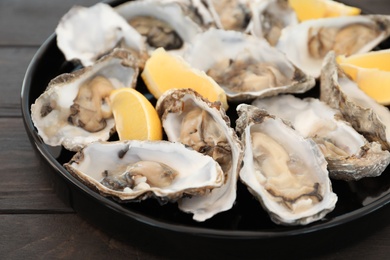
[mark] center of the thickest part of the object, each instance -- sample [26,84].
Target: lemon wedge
[371,71]
[135,117]
[314,9]
[164,71]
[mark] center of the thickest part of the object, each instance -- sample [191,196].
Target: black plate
[245,222]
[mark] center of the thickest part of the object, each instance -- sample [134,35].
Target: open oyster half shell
[349,155]
[136,170]
[284,171]
[245,66]
[368,117]
[307,43]
[192,120]
[74,109]
[87,33]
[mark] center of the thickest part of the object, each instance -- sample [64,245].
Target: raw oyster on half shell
[245,66]
[188,118]
[87,33]
[368,117]
[349,155]
[270,17]
[284,171]
[307,43]
[136,170]
[230,14]
[162,23]
[74,109]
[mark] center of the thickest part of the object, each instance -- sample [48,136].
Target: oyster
[188,118]
[366,115]
[245,66]
[87,33]
[136,170]
[230,14]
[74,109]
[163,24]
[307,43]
[269,17]
[284,171]
[349,155]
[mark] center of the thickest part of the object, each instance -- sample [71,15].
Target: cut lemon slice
[371,71]
[164,71]
[135,117]
[314,9]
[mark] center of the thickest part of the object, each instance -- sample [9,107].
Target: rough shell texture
[349,155]
[197,174]
[211,134]
[53,125]
[367,116]
[284,171]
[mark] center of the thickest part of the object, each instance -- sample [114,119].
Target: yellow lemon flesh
[371,71]
[164,71]
[135,117]
[315,9]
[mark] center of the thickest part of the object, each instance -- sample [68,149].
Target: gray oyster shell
[349,155]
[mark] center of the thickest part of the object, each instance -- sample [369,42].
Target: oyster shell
[349,155]
[188,118]
[74,109]
[366,115]
[98,30]
[284,171]
[136,170]
[230,14]
[307,43]
[245,66]
[164,24]
[269,17]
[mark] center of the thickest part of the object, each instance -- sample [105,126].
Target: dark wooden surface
[34,221]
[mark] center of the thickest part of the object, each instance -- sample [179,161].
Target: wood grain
[36,224]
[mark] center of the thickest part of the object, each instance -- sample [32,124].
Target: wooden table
[34,221]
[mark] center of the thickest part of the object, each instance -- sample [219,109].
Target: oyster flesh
[136,170]
[87,33]
[163,24]
[284,171]
[188,118]
[245,66]
[307,43]
[349,155]
[368,117]
[74,109]
[270,17]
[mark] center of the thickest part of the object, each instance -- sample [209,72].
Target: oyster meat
[74,109]
[349,155]
[307,43]
[368,117]
[284,171]
[245,66]
[136,170]
[270,17]
[188,118]
[87,33]
[163,24]
[230,14]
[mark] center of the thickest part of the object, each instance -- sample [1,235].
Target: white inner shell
[195,170]
[289,164]
[312,118]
